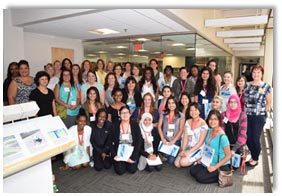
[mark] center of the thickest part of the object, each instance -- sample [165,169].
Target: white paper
[207,155]
[124,152]
[169,150]
[195,155]
[154,162]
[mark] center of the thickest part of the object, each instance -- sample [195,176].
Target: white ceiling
[128,22]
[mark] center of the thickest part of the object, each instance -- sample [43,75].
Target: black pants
[202,175]
[99,163]
[121,167]
[151,168]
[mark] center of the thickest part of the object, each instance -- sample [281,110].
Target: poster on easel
[28,142]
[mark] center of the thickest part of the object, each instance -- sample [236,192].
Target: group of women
[107,109]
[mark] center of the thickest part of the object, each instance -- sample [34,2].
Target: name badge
[171,126]
[128,103]
[67,89]
[169,134]
[125,136]
[203,93]
[92,118]
[225,120]
[261,91]
[73,102]
[205,101]
[150,139]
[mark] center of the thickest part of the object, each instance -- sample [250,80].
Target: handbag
[225,178]
[62,110]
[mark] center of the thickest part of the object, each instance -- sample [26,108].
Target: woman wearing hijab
[234,123]
[149,144]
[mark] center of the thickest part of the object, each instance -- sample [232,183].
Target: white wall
[37,49]
[13,43]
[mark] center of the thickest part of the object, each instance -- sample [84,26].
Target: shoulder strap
[219,142]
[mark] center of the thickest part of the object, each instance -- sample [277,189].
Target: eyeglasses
[232,102]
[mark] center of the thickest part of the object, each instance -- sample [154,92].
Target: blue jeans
[255,126]
[170,158]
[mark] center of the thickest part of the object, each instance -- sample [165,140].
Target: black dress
[44,101]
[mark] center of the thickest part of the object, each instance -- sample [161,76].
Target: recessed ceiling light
[91,55]
[142,50]
[244,45]
[101,52]
[240,33]
[238,21]
[242,40]
[178,44]
[190,49]
[156,53]
[168,54]
[103,31]
[120,54]
[142,39]
[119,47]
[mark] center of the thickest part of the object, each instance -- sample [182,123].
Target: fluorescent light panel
[242,40]
[238,21]
[240,33]
[244,45]
[103,31]
[245,48]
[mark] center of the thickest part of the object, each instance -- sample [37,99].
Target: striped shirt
[236,132]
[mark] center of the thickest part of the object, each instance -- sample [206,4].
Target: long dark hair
[211,83]
[61,77]
[181,106]
[239,78]
[80,81]
[216,67]
[93,88]
[153,80]
[99,111]
[176,111]
[9,74]
[130,79]
[63,63]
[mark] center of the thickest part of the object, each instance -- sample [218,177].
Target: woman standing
[213,65]
[67,95]
[258,99]
[110,84]
[170,126]
[113,109]
[78,156]
[91,81]
[234,123]
[218,141]
[168,78]
[148,106]
[241,84]
[127,70]
[100,73]
[205,90]
[184,103]
[150,143]
[154,65]
[132,97]
[77,77]
[101,140]
[126,133]
[148,83]
[193,137]
[110,67]
[43,96]
[118,73]
[57,68]
[53,79]
[136,72]
[166,93]
[227,89]
[12,73]
[92,104]
[21,87]
[86,66]
[66,64]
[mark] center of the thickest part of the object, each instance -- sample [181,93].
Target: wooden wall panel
[61,53]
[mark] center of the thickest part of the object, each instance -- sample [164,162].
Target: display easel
[28,146]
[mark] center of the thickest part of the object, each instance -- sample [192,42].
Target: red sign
[137,47]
